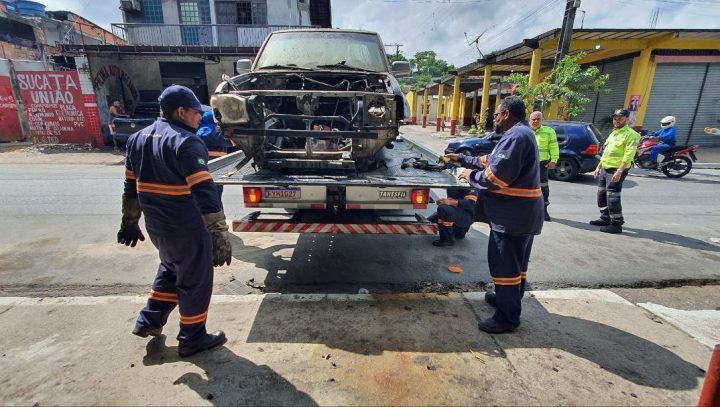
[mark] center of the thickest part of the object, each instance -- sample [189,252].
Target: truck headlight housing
[229,109]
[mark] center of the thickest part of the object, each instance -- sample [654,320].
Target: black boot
[144,332]
[492,326]
[547,216]
[447,238]
[443,243]
[460,232]
[612,228]
[205,342]
[600,222]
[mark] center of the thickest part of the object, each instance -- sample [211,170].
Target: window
[244,13]
[152,11]
[194,12]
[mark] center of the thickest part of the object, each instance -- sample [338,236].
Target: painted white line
[584,295]
[703,325]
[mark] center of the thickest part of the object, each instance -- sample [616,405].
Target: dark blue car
[578,141]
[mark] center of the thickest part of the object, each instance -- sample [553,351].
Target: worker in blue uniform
[512,203]
[167,180]
[454,216]
[213,139]
[665,137]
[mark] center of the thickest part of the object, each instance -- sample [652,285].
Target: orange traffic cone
[710,394]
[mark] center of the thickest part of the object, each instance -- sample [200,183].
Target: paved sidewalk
[575,347]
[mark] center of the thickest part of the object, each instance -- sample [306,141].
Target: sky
[446,26]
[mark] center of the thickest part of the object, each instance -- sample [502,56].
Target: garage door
[676,91]
[599,110]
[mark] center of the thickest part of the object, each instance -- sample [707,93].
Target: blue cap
[176,96]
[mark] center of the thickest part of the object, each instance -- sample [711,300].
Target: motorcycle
[677,162]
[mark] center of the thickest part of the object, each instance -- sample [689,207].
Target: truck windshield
[310,49]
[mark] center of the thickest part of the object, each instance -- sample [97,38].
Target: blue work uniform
[214,141]
[166,170]
[455,221]
[666,137]
[512,203]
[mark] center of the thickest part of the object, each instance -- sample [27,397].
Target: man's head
[510,111]
[180,104]
[116,103]
[536,119]
[620,118]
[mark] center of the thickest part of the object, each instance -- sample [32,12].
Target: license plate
[392,194]
[282,193]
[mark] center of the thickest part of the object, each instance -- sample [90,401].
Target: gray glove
[218,229]
[130,232]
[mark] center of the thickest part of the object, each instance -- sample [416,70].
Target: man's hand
[218,229]
[616,177]
[551,165]
[451,201]
[129,234]
[465,174]
[597,172]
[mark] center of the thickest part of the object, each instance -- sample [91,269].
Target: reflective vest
[547,144]
[620,147]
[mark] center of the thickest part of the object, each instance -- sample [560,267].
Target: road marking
[703,325]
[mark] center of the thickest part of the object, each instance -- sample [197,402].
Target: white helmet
[667,122]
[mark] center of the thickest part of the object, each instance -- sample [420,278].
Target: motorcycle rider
[665,137]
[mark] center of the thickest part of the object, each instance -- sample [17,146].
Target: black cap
[176,96]
[621,112]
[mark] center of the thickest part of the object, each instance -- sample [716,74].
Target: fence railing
[229,35]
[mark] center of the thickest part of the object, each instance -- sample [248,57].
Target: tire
[678,167]
[566,170]
[465,151]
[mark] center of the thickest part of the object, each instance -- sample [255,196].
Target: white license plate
[282,193]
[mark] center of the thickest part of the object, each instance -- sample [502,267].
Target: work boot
[144,332]
[547,216]
[600,222]
[612,228]
[460,232]
[443,243]
[491,298]
[492,326]
[205,342]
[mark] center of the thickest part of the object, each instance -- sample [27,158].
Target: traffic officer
[167,179]
[213,139]
[454,216]
[618,153]
[513,206]
[548,151]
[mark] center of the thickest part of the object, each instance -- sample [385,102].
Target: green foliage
[427,66]
[567,85]
[396,57]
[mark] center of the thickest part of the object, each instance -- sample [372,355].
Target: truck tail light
[592,149]
[420,196]
[252,195]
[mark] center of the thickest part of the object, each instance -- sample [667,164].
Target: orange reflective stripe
[471,197]
[129,174]
[161,189]
[490,175]
[193,319]
[523,274]
[507,280]
[164,297]
[519,192]
[446,222]
[198,177]
[483,160]
[216,153]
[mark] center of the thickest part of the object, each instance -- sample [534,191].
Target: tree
[396,57]
[567,85]
[428,66]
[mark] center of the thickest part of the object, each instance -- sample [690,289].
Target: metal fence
[231,35]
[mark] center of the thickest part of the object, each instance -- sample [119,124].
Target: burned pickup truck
[317,113]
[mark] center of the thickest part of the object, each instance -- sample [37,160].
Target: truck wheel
[565,170]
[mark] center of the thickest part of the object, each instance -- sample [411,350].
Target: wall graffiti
[104,73]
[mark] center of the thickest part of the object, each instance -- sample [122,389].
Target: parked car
[578,141]
[123,127]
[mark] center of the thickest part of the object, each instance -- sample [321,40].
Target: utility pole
[397,49]
[563,48]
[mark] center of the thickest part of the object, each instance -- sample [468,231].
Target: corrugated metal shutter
[604,103]
[708,112]
[675,92]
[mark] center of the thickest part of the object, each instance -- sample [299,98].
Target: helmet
[667,122]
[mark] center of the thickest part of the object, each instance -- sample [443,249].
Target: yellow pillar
[461,118]
[425,107]
[413,107]
[456,105]
[474,105]
[534,76]
[641,79]
[438,115]
[485,101]
[498,95]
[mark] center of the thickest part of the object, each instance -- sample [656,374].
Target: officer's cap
[621,112]
[176,96]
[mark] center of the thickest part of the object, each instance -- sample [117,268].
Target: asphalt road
[59,224]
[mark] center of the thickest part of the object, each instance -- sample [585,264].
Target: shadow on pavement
[430,324]
[660,237]
[231,379]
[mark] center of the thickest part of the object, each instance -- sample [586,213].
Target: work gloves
[218,229]
[130,232]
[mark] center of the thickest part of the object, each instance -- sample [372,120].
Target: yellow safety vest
[547,144]
[620,147]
